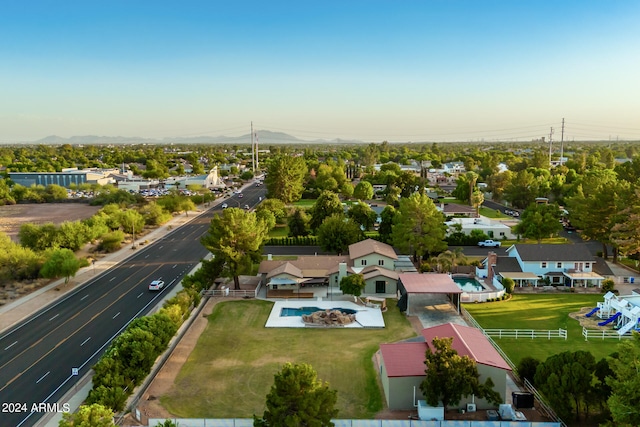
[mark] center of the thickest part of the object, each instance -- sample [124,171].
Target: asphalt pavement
[50,337]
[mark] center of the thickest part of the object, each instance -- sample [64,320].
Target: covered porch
[521,279]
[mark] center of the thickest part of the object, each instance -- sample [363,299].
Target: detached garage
[402,367]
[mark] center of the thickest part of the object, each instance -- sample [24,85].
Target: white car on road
[156,285]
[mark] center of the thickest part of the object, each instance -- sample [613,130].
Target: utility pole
[253,151]
[550,144]
[562,143]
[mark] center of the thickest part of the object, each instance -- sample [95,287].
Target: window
[544,265]
[587,265]
[559,265]
[381,287]
[363,262]
[502,233]
[380,262]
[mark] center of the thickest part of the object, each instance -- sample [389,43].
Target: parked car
[240,195]
[246,207]
[489,244]
[225,206]
[156,285]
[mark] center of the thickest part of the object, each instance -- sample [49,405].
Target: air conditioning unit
[471,407]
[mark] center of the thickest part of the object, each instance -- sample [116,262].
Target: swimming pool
[288,311]
[468,285]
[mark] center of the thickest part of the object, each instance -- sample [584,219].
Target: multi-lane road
[42,357]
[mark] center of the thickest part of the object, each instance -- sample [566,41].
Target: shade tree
[419,227]
[285,178]
[298,398]
[449,377]
[236,237]
[336,234]
[327,204]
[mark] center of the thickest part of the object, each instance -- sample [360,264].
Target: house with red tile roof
[402,367]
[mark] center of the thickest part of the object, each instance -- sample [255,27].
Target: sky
[410,70]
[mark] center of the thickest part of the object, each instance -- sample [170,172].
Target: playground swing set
[623,310]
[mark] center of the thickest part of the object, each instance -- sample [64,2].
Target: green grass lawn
[304,203]
[492,213]
[230,371]
[541,312]
[279,231]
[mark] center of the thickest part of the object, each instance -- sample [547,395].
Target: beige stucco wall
[372,259]
[370,288]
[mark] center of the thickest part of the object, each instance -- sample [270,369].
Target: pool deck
[366,317]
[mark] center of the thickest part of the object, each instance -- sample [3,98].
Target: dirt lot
[13,216]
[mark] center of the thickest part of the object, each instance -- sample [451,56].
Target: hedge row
[130,356]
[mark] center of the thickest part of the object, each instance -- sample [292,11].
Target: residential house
[374,260]
[494,229]
[402,367]
[528,265]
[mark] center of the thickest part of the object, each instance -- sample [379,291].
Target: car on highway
[247,207]
[156,285]
[225,206]
[240,195]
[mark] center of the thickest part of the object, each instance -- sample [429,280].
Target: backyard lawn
[231,369]
[546,312]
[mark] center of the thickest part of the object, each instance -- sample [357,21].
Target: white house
[494,229]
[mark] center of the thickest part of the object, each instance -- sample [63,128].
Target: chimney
[269,257]
[342,271]
[492,260]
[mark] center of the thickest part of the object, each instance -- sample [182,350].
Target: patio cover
[429,283]
[277,281]
[584,275]
[519,275]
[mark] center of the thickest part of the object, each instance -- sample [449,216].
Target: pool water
[288,311]
[468,285]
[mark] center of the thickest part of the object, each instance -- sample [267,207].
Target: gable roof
[370,246]
[467,341]
[286,268]
[310,266]
[375,271]
[429,283]
[506,264]
[404,359]
[548,252]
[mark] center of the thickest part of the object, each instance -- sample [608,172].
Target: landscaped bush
[130,357]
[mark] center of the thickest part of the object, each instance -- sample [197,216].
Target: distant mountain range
[265,138]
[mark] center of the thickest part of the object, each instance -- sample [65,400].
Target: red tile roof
[404,359]
[429,283]
[467,341]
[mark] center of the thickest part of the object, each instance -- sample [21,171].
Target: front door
[381,287]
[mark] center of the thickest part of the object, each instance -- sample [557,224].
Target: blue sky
[428,70]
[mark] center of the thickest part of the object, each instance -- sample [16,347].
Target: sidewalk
[26,306]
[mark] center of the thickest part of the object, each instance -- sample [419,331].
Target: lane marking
[141,293]
[161,247]
[85,341]
[11,345]
[112,279]
[54,317]
[86,296]
[42,377]
[117,314]
[146,257]
[174,266]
